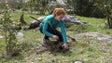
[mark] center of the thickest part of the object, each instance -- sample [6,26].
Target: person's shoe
[44,42]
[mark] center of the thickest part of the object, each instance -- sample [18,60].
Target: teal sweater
[50,19]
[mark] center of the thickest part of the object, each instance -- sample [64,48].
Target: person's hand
[55,37]
[65,45]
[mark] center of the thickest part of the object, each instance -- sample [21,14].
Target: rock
[96,36]
[78,62]
[32,62]
[61,2]
[74,20]
[52,4]
[20,35]
[1,37]
[0,26]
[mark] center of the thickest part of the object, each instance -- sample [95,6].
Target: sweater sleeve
[63,31]
[45,27]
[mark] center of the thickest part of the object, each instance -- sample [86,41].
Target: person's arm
[63,31]
[45,27]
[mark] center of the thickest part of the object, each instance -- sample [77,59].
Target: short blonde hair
[59,11]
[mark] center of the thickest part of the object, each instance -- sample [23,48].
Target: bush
[9,33]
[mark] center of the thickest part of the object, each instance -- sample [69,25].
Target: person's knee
[60,37]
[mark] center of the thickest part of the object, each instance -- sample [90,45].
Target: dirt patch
[53,46]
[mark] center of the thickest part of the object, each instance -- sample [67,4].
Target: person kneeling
[50,23]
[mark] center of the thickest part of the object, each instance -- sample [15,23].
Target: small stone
[78,62]
[32,62]
[20,35]
[1,37]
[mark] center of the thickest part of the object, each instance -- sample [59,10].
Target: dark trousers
[53,31]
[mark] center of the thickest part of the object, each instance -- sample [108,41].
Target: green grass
[86,50]
[96,25]
[18,13]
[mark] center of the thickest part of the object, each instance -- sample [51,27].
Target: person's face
[59,17]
